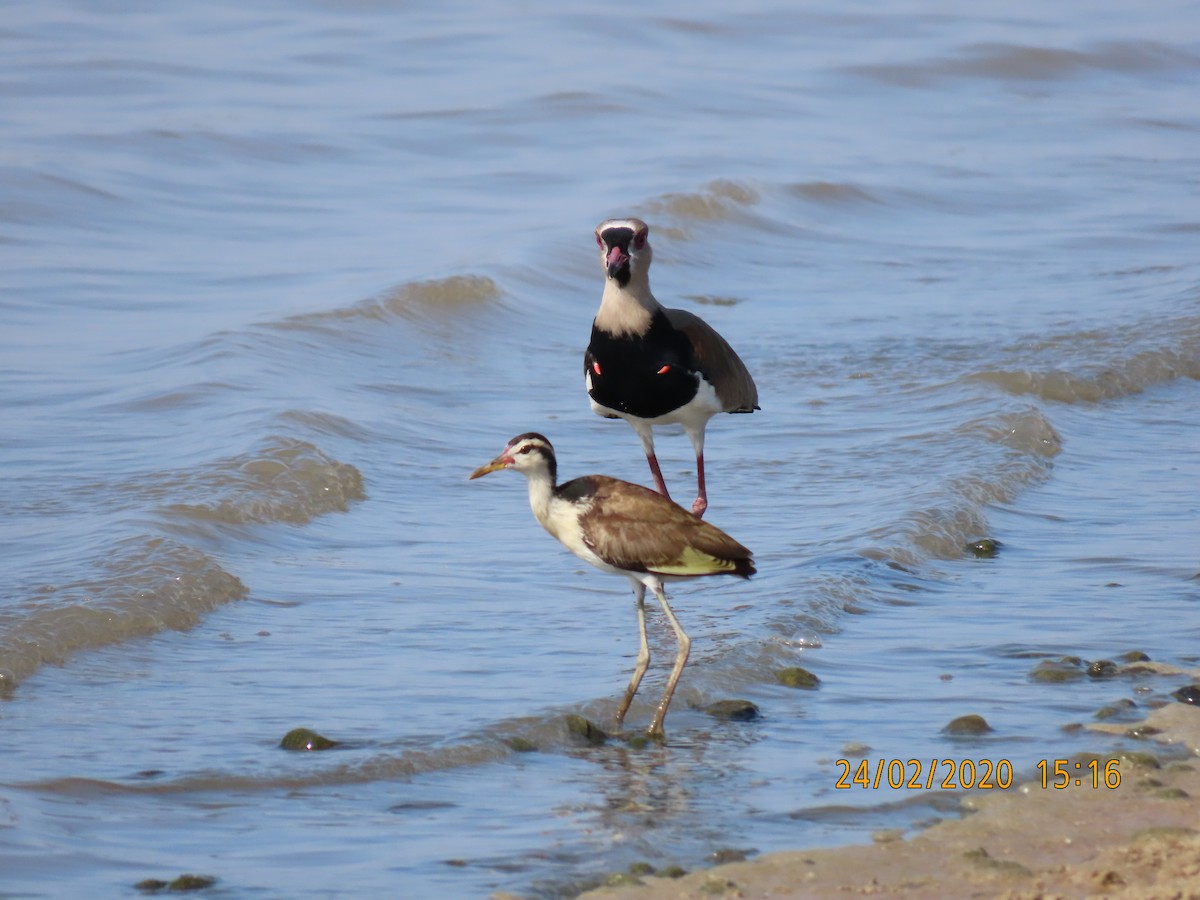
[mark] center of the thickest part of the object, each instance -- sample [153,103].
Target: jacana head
[624,248]
[529,453]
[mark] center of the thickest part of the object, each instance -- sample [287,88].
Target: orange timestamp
[921,774]
[1062,773]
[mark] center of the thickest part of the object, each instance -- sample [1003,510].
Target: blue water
[274,280]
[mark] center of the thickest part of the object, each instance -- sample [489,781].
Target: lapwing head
[528,453]
[624,248]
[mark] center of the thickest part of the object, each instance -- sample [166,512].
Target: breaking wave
[146,583]
[414,301]
[286,480]
[1111,365]
[1020,62]
[141,586]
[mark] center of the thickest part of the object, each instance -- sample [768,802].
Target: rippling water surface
[277,278]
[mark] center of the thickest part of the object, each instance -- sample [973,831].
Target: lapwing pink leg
[657,473]
[645,434]
[701,502]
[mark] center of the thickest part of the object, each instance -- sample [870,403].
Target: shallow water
[275,280]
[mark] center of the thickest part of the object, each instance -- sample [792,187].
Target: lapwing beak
[617,261]
[503,461]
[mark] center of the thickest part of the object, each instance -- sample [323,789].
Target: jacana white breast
[629,530]
[654,366]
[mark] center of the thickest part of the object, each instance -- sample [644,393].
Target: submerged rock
[305,739]
[1057,671]
[181,884]
[717,886]
[1172,793]
[1140,758]
[733,710]
[1188,694]
[518,744]
[1164,833]
[622,879]
[580,727]
[985,860]
[1122,707]
[1102,668]
[968,725]
[729,855]
[192,883]
[985,548]
[794,676]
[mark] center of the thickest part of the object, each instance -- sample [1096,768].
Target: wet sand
[1140,840]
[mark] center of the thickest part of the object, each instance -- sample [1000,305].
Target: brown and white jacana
[629,530]
[654,366]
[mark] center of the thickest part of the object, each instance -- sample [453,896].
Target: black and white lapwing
[654,366]
[628,530]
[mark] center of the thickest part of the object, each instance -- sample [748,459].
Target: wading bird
[654,366]
[629,530]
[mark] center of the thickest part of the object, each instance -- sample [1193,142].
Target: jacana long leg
[681,658]
[643,657]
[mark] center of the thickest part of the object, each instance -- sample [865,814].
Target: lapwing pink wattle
[654,366]
[629,530]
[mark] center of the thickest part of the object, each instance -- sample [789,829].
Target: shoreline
[1140,840]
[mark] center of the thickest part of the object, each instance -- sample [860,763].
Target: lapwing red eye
[664,370]
[639,239]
